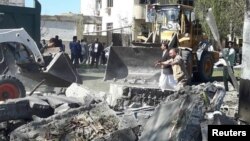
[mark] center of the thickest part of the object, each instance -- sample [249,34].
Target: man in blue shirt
[75,49]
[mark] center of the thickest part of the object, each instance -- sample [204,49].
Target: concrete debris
[230,105]
[120,135]
[218,119]
[55,101]
[180,116]
[135,118]
[40,106]
[123,96]
[76,91]
[85,123]
[15,110]
[145,114]
[62,108]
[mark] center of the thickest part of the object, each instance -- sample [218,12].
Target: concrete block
[57,100]
[39,107]
[36,105]
[62,108]
[15,110]
[82,94]
[100,96]
[122,95]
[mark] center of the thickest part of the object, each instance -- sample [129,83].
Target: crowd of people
[80,51]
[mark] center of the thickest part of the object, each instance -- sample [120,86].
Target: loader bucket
[61,72]
[133,63]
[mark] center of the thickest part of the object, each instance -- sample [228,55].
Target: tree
[229,15]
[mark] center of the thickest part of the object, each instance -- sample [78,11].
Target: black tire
[11,87]
[205,67]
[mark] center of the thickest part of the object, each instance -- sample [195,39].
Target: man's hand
[157,64]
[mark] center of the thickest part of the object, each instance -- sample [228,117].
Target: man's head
[164,45]
[56,37]
[230,44]
[173,52]
[74,38]
[96,39]
[173,17]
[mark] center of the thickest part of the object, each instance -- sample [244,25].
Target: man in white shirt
[229,56]
[97,48]
[166,80]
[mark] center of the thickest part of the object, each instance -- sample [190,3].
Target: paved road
[93,78]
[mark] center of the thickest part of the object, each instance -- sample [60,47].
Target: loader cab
[168,18]
[175,18]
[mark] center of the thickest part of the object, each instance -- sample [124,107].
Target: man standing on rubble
[178,66]
[166,80]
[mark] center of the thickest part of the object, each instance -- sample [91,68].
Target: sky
[56,7]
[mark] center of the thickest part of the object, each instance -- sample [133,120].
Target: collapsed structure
[132,112]
[82,114]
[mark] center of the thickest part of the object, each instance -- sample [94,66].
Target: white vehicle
[20,54]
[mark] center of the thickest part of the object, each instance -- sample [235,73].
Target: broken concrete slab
[57,100]
[180,116]
[165,123]
[38,106]
[131,118]
[82,94]
[62,108]
[15,110]
[122,96]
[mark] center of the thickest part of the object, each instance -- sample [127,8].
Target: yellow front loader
[172,23]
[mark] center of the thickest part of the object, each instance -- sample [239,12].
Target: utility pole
[79,27]
[231,26]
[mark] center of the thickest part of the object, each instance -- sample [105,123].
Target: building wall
[121,14]
[13,2]
[88,7]
[64,29]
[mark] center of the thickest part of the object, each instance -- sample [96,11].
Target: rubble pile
[180,116]
[85,123]
[81,115]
